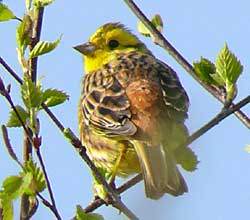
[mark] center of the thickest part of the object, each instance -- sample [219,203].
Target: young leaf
[99,189]
[52,97]
[23,33]
[31,93]
[13,120]
[228,66]
[11,186]
[81,215]
[38,179]
[43,47]
[156,21]
[142,29]
[186,158]
[7,206]
[42,3]
[204,69]
[5,13]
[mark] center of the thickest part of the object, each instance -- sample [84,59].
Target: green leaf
[156,21]
[186,158]
[38,179]
[142,29]
[13,120]
[98,187]
[31,93]
[5,13]
[52,97]
[204,69]
[11,186]
[217,78]
[7,206]
[42,3]
[228,66]
[81,215]
[23,33]
[27,184]
[43,47]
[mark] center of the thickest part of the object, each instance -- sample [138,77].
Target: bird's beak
[86,48]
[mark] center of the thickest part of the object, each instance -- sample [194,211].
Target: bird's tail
[159,170]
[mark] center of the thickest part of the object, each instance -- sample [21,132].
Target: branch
[28,137]
[164,43]
[53,206]
[76,143]
[37,28]
[99,202]
[48,204]
[216,120]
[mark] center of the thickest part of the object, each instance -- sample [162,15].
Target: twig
[115,200]
[48,204]
[37,28]
[10,71]
[164,43]
[99,202]
[48,184]
[36,33]
[28,135]
[217,119]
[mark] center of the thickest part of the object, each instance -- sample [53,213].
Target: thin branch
[10,71]
[216,120]
[48,204]
[17,18]
[115,199]
[99,202]
[164,43]
[28,137]
[48,184]
[35,39]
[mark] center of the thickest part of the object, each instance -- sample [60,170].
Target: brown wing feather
[105,105]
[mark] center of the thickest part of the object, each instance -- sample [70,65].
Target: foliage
[224,73]
[81,215]
[43,47]
[29,182]
[156,22]
[5,13]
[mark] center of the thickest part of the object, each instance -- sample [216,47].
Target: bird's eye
[113,44]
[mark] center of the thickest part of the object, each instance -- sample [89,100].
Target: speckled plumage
[134,104]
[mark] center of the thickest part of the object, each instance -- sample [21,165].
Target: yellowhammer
[132,111]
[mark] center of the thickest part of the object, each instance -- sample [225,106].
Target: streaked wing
[173,93]
[105,105]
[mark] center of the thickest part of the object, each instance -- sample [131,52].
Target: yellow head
[108,41]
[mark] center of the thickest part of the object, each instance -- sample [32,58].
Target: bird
[132,111]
